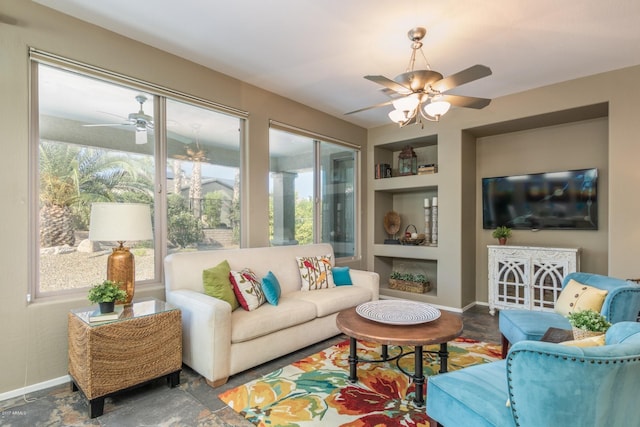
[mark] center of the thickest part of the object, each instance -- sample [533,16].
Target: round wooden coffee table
[447,327]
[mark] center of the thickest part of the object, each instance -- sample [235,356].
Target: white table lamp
[121,222]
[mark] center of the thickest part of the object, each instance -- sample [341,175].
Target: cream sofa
[218,342]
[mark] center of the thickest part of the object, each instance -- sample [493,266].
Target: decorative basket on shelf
[409,239]
[409,282]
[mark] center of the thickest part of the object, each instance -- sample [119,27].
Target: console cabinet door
[528,277]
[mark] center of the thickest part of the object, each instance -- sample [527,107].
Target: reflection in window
[296,182]
[203,162]
[96,145]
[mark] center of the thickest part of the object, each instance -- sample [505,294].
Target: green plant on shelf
[409,277]
[501,232]
[588,320]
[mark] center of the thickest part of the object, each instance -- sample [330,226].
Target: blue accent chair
[621,304]
[542,384]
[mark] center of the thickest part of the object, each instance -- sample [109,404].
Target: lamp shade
[120,222]
[141,136]
[397,116]
[408,103]
[437,108]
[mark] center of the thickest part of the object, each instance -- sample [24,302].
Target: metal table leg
[418,377]
[443,354]
[353,360]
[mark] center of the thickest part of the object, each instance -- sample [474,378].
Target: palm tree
[57,194]
[73,177]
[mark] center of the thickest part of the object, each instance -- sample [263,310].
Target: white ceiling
[316,52]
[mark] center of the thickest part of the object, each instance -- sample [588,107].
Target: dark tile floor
[193,403]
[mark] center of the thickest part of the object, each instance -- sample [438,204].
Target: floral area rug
[316,391]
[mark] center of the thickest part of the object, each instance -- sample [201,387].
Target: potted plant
[409,282]
[587,323]
[502,233]
[106,294]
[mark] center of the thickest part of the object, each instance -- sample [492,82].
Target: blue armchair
[622,303]
[544,384]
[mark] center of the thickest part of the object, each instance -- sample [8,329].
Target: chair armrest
[206,332]
[557,385]
[622,304]
[366,279]
[623,298]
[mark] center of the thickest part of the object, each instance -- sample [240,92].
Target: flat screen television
[554,200]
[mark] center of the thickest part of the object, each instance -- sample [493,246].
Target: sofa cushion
[266,319]
[341,276]
[271,288]
[247,288]
[474,396]
[333,300]
[217,284]
[315,272]
[576,296]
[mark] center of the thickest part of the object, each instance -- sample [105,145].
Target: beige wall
[34,336]
[533,119]
[577,145]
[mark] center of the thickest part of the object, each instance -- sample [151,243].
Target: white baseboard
[34,387]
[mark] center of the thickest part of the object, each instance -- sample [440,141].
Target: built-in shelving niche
[384,265]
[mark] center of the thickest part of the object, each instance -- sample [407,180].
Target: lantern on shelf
[407,162]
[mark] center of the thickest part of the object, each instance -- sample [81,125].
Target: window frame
[160,94]
[317,140]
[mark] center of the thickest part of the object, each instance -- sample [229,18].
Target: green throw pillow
[217,284]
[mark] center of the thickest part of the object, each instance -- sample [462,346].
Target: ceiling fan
[140,120]
[194,153]
[418,94]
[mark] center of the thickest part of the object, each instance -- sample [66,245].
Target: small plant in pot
[106,294]
[588,323]
[502,233]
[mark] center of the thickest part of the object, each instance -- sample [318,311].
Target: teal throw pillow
[341,276]
[217,284]
[271,288]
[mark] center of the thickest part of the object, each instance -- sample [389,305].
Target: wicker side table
[144,344]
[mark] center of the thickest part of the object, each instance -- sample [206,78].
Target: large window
[101,141]
[312,189]
[203,178]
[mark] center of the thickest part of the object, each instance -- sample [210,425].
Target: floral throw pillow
[315,272]
[247,288]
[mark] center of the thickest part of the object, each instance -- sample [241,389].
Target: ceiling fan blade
[390,84]
[109,124]
[370,107]
[392,93]
[465,101]
[465,76]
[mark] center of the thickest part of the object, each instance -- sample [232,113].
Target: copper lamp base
[121,268]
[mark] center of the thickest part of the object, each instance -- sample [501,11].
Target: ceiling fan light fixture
[437,109]
[141,136]
[407,103]
[398,116]
[418,94]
